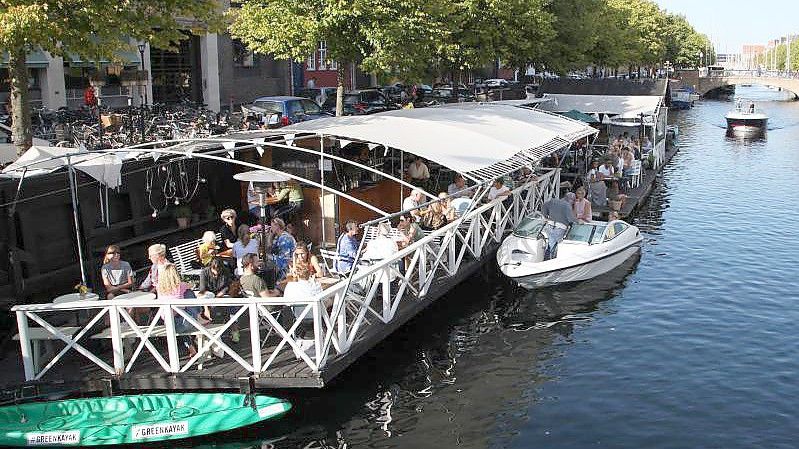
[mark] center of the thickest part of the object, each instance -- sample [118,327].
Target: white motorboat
[587,251]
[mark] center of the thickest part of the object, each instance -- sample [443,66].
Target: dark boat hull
[734,123]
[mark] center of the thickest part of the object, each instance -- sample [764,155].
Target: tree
[383,36]
[577,33]
[91,29]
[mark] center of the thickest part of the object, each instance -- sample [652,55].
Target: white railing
[341,315]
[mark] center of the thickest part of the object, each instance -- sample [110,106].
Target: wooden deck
[224,373]
[637,196]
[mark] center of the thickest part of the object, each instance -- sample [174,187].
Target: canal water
[690,345]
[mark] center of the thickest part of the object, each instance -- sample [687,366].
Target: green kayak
[131,419]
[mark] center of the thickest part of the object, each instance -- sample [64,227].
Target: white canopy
[466,137]
[620,105]
[105,168]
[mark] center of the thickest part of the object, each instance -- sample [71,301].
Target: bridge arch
[707,84]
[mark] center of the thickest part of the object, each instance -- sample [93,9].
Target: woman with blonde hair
[208,248]
[116,273]
[170,286]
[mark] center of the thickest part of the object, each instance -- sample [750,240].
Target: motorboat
[587,251]
[746,118]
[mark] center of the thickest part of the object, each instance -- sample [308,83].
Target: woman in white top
[244,245]
[116,273]
[497,190]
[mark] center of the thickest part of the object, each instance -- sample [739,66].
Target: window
[310,64]
[322,54]
[242,56]
[269,107]
[310,107]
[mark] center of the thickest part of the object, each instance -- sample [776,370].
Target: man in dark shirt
[228,229]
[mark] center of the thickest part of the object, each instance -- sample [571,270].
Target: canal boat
[588,250]
[135,419]
[746,118]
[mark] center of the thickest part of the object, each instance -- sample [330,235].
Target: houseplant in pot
[183,216]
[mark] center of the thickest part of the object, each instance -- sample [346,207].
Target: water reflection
[746,135]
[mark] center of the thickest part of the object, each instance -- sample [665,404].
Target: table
[139,295]
[325,281]
[76,297]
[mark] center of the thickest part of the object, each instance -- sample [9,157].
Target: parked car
[450,95]
[317,94]
[283,110]
[494,83]
[360,102]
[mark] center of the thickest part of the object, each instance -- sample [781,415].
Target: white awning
[38,160]
[467,137]
[620,105]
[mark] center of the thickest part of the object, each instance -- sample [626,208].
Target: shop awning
[35,60]
[619,105]
[481,139]
[577,115]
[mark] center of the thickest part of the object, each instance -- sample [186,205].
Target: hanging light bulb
[177,202]
[163,168]
[154,214]
[202,180]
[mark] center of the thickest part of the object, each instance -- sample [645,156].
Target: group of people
[230,267]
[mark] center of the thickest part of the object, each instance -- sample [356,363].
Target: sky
[732,23]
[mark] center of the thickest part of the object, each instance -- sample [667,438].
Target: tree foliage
[90,29]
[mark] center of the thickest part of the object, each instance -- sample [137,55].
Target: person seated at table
[170,287]
[215,278]
[418,173]
[251,283]
[382,246]
[433,217]
[458,184]
[283,247]
[287,201]
[304,257]
[616,199]
[606,171]
[525,174]
[116,273]
[208,249]
[244,245]
[593,172]
[497,190]
[582,207]
[303,285]
[157,255]
[446,207]
[229,227]
[347,247]
[412,202]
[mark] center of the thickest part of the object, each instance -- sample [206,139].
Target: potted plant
[210,212]
[183,216]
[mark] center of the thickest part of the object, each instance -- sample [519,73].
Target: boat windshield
[585,232]
[529,227]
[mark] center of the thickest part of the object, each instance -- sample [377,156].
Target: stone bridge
[704,84]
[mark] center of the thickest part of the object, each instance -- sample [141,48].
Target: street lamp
[142,46]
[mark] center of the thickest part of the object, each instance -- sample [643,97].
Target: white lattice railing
[341,315]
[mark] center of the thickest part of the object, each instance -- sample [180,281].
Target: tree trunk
[21,132]
[340,90]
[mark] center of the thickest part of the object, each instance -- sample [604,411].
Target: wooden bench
[37,335]
[185,254]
